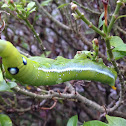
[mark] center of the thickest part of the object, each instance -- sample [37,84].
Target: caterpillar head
[12,60]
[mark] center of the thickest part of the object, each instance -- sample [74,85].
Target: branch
[72,95]
[118,72]
[51,94]
[42,10]
[29,26]
[83,18]
[114,16]
[87,9]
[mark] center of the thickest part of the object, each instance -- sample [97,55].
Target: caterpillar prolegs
[37,71]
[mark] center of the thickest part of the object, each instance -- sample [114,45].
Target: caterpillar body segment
[37,71]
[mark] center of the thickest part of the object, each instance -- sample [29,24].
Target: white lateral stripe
[77,69]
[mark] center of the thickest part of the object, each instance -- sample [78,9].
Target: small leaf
[73,121]
[34,9]
[101,21]
[4,5]
[5,120]
[11,84]
[63,5]
[115,121]
[116,40]
[23,1]
[4,86]
[119,50]
[45,3]
[94,123]
[7,86]
[118,43]
[118,54]
[19,7]
[30,6]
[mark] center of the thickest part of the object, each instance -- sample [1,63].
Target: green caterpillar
[37,71]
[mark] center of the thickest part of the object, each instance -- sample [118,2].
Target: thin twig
[114,16]
[42,10]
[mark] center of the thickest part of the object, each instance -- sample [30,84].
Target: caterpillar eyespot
[13,71]
[24,61]
[39,71]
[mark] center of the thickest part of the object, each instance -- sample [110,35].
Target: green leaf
[5,120]
[94,123]
[19,7]
[23,1]
[63,5]
[119,54]
[11,84]
[101,21]
[45,3]
[119,50]
[73,121]
[115,41]
[34,9]
[30,6]
[4,86]
[112,121]
[4,5]
[115,121]
[118,43]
